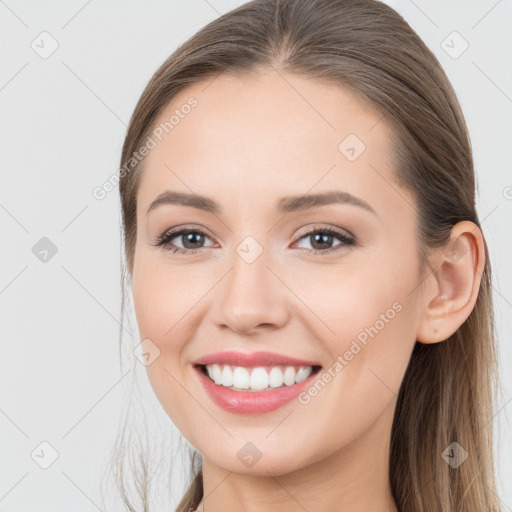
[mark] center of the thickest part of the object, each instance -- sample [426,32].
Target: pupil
[190,238]
[323,239]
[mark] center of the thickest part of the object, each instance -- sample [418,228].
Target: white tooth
[276,378]
[209,369]
[227,376]
[303,373]
[241,378]
[259,378]
[289,376]
[217,374]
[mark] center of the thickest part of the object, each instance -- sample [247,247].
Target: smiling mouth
[268,378]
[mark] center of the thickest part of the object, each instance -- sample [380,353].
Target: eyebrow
[286,204]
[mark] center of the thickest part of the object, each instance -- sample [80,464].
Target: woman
[310,279]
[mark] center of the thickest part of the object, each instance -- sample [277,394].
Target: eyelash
[165,240]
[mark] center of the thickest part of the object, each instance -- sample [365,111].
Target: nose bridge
[251,294]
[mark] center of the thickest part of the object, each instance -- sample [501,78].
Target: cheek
[158,305]
[370,340]
[163,297]
[162,300]
[167,300]
[367,316]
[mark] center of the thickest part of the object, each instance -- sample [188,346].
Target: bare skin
[250,141]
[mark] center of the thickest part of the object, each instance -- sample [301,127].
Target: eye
[322,237]
[192,241]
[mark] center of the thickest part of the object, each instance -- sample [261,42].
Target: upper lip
[253,359]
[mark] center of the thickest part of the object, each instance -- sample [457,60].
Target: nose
[252,297]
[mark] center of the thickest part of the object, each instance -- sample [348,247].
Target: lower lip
[256,402]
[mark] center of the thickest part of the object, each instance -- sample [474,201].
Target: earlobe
[454,284]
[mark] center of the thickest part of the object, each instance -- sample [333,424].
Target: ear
[454,284]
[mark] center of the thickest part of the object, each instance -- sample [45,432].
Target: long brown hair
[448,389]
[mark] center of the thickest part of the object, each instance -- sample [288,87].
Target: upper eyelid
[340,231]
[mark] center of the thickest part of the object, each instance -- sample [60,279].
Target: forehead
[266,134]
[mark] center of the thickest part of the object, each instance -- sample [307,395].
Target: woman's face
[257,280]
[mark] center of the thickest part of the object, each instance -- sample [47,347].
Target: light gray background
[63,120]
